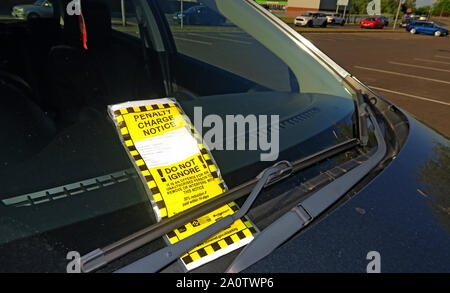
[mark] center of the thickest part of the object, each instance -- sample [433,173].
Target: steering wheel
[17,81]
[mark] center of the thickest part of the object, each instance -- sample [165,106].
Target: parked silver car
[40,8]
[335,18]
[311,19]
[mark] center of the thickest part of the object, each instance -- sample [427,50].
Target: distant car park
[429,28]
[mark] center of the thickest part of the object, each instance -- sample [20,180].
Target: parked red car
[372,22]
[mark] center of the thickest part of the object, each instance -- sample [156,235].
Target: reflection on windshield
[434,174]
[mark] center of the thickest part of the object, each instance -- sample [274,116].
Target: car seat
[86,81]
[27,129]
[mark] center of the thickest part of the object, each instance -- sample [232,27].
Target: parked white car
[335,18]
[40,8]
[311,19]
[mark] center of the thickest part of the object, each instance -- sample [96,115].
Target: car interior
[61,74]
[62,89]
[46,64]
[48,73]
[54,95]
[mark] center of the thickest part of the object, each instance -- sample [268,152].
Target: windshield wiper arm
[102,256]
[302,214]
[163,257]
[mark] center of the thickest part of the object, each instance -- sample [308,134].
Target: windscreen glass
[256,95]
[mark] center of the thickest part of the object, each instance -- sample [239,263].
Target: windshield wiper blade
[302,214]
[102,256]
[163,257]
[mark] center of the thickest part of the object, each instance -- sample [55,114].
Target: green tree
[387,6]
[422,10]
[441,7]
[359,6]
[411,4]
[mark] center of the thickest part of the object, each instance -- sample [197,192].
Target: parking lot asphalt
[412,71]
[236,52]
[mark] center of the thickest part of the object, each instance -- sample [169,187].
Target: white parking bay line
[440,56]
[409,95]
[418,66]
[221,39]
[194,41]
[237,35]
[403,74]
[434,61]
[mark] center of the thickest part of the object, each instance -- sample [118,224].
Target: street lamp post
[396,16]
[124,19]
[182,14]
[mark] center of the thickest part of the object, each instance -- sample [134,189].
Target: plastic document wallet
[178,172]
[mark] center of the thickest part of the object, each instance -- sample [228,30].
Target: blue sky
[420,3]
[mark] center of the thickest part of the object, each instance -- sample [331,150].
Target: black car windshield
[63,169]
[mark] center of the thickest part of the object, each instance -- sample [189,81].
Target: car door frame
[315,19]
[420,28]
[435,28]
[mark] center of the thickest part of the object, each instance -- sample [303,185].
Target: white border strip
[223,251]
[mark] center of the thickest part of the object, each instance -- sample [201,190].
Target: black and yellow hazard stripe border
[136,157]
[202,252]
[156,196]
[208,158]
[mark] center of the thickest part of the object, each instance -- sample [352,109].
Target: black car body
[362,175]
[378,218]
